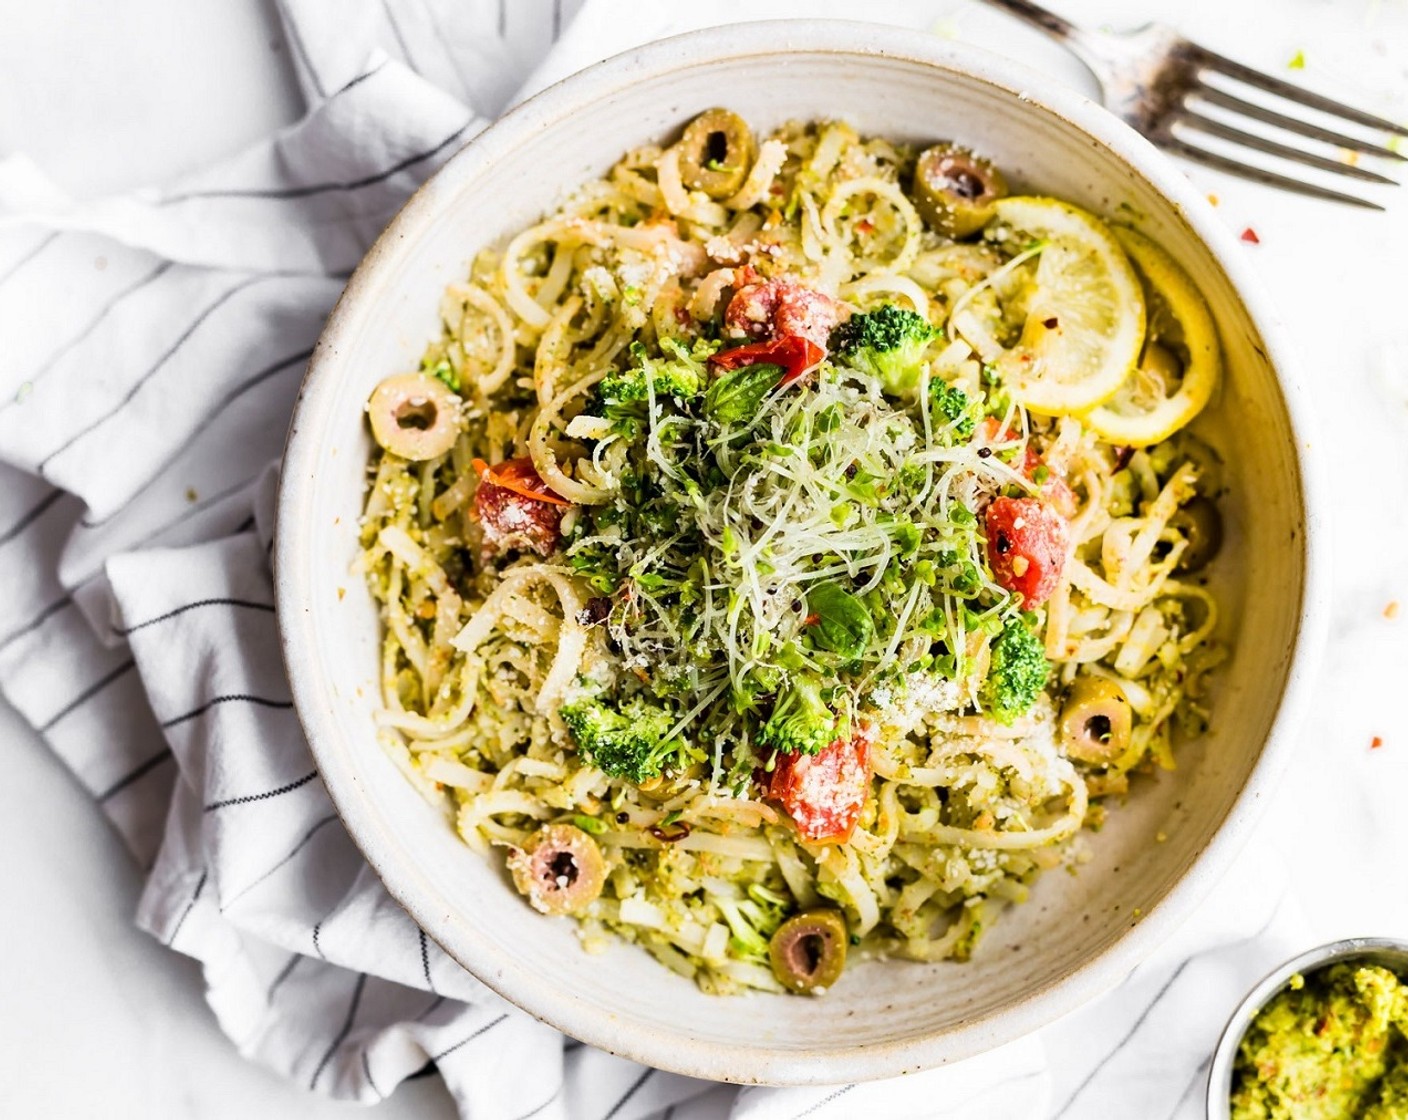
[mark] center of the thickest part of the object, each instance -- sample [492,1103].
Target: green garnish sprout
[779,558]
[887,343]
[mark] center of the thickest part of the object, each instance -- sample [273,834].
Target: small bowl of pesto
[1323,1037]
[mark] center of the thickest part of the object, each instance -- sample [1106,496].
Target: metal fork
[1159,82]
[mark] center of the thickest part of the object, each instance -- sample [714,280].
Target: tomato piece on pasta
[825,792]
[780,307]
[516,509]
[796,355]
[1027,542]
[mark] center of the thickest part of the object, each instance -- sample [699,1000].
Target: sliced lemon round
[1063,319]
[1181,363]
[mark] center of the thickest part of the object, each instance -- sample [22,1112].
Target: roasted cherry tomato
[779,307]
[1027,542]
[825,792]
[516,508]
[797,356]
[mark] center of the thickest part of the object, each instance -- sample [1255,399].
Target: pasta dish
[790,545]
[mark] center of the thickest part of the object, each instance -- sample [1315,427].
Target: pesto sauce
[1330,1046]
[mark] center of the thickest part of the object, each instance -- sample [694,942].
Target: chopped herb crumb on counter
[1330,1046]
[789,547]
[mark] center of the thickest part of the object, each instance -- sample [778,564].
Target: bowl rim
[679,1052]
[1219,1088]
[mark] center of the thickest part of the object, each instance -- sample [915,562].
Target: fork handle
[1039,18]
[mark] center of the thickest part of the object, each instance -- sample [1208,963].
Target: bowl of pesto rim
[1385,952]
[1078,935]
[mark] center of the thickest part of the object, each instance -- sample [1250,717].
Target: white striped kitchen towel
[150,349]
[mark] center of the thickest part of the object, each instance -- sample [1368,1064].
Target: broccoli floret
[678,373]
[887,343]
[800,723]
[955,406]
[626,741]
[1017,671]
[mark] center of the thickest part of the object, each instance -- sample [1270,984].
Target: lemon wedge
[1181,362]
[1063,319]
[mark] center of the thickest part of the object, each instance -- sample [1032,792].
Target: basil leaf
[738,394]
[843,623]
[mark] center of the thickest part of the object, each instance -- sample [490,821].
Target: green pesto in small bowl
[1331,1045]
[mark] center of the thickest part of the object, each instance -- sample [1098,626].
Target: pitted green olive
[955,190]
[808,951]
[414,416]
[1201,526]
[1096,721]
[560,869]
[716,153]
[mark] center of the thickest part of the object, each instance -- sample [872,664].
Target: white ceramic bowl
[1079,935]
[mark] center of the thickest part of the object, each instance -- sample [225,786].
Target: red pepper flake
[1375,743]
[865,225]
[1250,237]
[811,620]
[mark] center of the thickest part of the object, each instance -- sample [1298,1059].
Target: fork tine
[1260,175]
[1220,64]
[1225,100]
[1282,151]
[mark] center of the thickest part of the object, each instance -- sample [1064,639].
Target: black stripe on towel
[29,517]
[842,1091]
[101,314]
[485,1029]
[303,843]
[135,775]
[252,797]
[132,391]
[233,698]
[186,913]
[325,188]
[248,604]
[344,1032]
[24,260]
[631,1092]
[88,694]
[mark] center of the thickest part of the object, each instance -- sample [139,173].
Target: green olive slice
[560,869]
[716,153]
[955,190]
[1096,721]
[1201,526]
[415,416]
[808,951]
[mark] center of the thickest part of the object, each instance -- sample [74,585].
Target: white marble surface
[97,1019]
